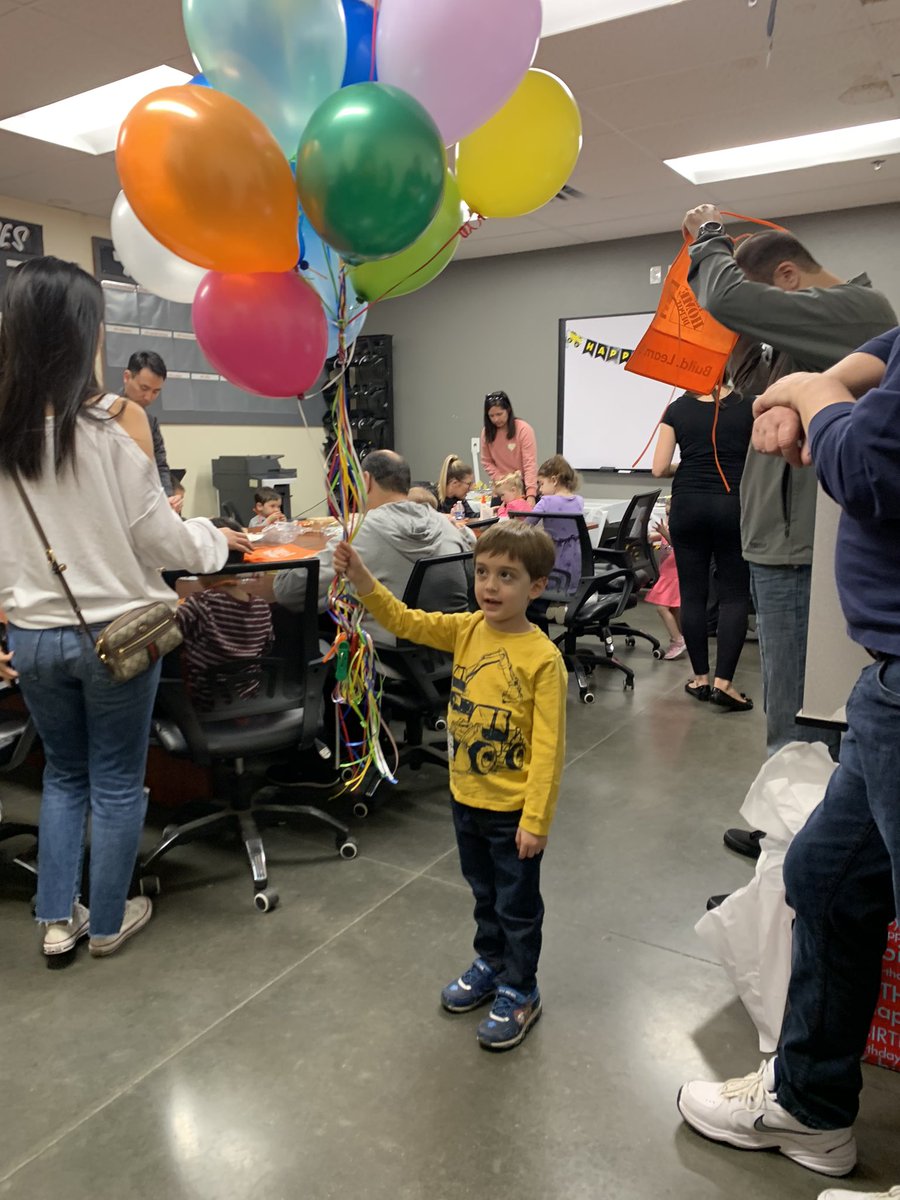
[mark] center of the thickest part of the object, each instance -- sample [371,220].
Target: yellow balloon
[519,159]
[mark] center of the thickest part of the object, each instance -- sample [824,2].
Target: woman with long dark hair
[508,444]
[712,435]
[85,462]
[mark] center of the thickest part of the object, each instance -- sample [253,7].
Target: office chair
[633,541]
[283,712]
[416,679]
[592,600]
[230,512]
[17,736]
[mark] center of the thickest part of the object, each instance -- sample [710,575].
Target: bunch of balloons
[304,174]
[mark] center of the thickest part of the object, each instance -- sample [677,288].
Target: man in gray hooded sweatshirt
[396,533]
[794,316]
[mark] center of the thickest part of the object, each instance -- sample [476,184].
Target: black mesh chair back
[248,706]
[230,512]
[574,554]
[633,538]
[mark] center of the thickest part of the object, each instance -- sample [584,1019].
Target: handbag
[130,644]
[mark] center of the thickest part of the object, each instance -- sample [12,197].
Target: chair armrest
[598,585]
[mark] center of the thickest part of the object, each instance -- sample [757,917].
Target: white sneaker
[745,1113]
[843,1194]
[63,936]
[137,914]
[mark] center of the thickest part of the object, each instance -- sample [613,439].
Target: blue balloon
[200,81]
[359,43]
[320,266]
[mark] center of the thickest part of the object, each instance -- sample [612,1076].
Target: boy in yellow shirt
[507,723]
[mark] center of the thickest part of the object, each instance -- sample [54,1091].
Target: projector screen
[606,417]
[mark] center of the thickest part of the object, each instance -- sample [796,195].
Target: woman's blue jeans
[95,734]
[842,875]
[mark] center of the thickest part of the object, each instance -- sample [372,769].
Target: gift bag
[751,931]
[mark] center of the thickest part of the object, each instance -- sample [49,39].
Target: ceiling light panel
[563,15]
[90,121]
[873,141]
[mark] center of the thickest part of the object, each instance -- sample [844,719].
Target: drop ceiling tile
[83,179]
[879,11]
[518,243]
[114,22]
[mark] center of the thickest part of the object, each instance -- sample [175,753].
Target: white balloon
[148,261]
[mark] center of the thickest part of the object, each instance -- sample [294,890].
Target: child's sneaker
[745,1113]
[512,1015]
[841,1194]
[474,987]
[675,650]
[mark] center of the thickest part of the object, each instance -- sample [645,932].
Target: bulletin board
[605,416]
[195,394]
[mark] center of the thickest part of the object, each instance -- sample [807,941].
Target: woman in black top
[705,524]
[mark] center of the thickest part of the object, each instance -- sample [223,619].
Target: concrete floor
[302,1055]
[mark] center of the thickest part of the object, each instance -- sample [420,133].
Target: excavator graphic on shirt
[482,733]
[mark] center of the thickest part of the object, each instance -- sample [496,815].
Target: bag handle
[56,567]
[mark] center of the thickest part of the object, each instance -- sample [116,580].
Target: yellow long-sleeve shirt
[507,713]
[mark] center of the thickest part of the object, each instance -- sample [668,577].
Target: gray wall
[492,323]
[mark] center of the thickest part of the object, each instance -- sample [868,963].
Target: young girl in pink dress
[665,593]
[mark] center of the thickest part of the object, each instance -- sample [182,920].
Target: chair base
[410,754]
[26,870]
[247,818]
[582,663]
[630,635]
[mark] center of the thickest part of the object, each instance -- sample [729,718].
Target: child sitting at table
[511,491]
[223,624]
[558,483]
[266,508]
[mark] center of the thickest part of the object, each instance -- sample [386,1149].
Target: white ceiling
[673,81]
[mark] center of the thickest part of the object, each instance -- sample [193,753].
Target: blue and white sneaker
[512,1015]
[474,987]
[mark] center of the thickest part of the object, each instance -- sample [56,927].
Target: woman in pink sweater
[508,444]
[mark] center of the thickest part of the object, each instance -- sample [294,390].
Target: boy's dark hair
[389,470]
[525,543]
[498,400]
[234,556]
[148,359]
[759,255]
[264,494]
[558,468]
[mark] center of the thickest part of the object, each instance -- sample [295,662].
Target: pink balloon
[461,59]
[266,333]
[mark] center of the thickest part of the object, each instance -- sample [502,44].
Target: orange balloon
[208,180]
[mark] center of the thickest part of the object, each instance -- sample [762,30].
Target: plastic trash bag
[751,931]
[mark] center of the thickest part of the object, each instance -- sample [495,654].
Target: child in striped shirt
[223,624]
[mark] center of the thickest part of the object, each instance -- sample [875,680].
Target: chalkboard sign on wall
[19,241]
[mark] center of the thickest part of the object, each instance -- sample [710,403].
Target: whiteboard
[606,417]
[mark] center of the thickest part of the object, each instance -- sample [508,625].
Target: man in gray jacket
[794,316]
[397,532]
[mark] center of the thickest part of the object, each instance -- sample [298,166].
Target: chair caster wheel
[149,885]
[657,653]
[360,809]
[628,685]
[347,848]
[267,900]
[440,725]
[587,697]
[169,831]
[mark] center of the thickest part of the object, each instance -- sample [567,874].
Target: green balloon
[370,171]
[407,272]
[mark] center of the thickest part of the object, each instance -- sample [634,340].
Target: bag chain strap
[56,567]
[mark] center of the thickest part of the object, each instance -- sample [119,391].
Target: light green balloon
[281,58]
[406,272]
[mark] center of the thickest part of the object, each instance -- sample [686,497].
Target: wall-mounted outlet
[656,274]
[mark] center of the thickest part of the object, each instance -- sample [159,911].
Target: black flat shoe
[699,693]
[723,700]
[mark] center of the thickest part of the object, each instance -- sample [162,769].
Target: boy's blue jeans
[95,734]
[842,875]
[509,911]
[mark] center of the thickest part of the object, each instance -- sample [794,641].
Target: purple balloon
[461,59]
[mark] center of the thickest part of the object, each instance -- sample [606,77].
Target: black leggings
[706,527]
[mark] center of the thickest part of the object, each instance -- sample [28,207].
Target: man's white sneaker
[843,1194]
[137,914]
[745,1113]
[62,937]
